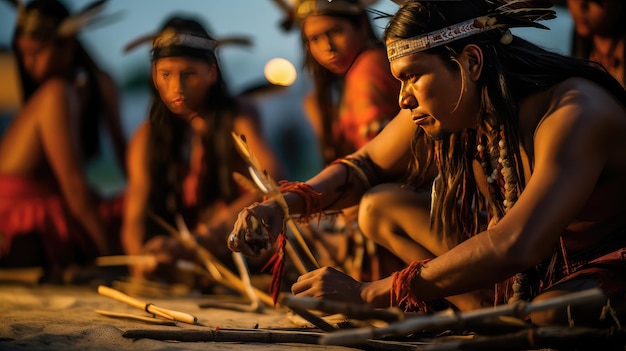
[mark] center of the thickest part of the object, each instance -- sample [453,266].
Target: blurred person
[527,203]
[181,159]
[599,33]
[354,96]
[49,215]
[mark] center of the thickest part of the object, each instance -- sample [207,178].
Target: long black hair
[167,139]
[83,65]
[511,72]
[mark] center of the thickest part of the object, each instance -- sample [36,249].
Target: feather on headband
[505,14]
[35,23]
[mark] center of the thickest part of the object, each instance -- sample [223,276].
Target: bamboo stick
[148,307]
[448,318]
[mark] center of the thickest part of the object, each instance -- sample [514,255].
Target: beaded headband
[404,47]
[511,13]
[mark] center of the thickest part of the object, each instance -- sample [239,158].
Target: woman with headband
[354,96]
[527,201]
[182,158]
[48,214]
[354,93]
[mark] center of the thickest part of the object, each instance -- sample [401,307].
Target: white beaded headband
[404,47]
[182,39]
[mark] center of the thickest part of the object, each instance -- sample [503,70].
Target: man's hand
[256,228]
[328,283]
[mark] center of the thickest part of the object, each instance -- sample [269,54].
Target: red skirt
[36,210]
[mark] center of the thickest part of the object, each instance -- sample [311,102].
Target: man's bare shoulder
[588,96]
[582,102]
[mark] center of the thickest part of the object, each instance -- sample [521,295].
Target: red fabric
[277,264]
[27,206]
[370,98]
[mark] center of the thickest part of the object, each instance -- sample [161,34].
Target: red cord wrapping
[401,289]
[312,206]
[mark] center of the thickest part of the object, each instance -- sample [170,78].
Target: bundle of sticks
[498,328]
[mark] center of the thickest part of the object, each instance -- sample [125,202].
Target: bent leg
[399,220]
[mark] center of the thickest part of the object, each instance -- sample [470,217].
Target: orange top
[370,98]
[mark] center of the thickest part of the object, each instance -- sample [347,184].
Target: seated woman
[181,160]
[48,214]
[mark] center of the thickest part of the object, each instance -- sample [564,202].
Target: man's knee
[588,314]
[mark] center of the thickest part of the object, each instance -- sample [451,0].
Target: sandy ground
[52,317]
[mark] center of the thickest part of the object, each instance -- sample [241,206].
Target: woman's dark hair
[83,64]
[510,73]
[167,141]
[327,85]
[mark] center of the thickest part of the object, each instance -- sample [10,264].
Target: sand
[62,317]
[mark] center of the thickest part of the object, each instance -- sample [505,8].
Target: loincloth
[605,262]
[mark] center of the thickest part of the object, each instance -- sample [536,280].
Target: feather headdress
[34,23]
[297,10]
[502,14]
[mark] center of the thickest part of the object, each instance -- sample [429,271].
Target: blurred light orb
[280,71]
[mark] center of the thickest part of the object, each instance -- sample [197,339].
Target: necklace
[502,183]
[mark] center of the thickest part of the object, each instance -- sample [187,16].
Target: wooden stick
[255,336]
[314,319]
[148,307]
[244,273]
[124,260]
[449,318]
[349,310]
[267,185]
[30,275]
[150,320]
[578,338]
[219,272]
